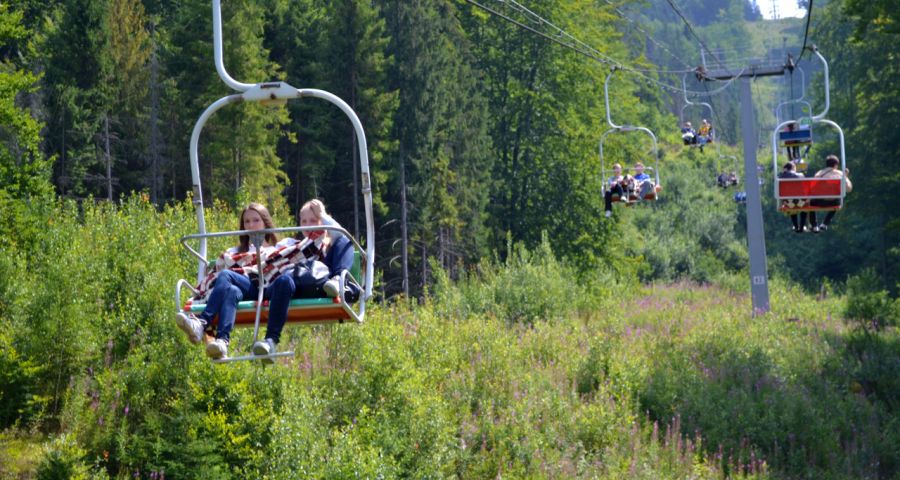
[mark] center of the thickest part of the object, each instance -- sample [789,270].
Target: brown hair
[789,166]
[832,161]
[263,212]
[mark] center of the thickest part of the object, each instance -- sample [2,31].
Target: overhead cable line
[694,33]
[565,39]
[806,33]
[649,37]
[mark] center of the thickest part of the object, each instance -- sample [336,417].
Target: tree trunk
[154,126]
[404,228]
[109,193]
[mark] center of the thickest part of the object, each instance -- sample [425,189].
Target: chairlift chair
[795,195]
[301,311]
[687,104]
[631,197]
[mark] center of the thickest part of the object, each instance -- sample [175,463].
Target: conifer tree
[23,169]
[125,65]
[442,155]
[74,99]
[237,147]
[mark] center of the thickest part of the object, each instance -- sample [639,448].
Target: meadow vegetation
[524,367]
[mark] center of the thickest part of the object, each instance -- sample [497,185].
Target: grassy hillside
[526,369]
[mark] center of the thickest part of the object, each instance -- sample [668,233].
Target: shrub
[867,305]
[63,459]
[526,288]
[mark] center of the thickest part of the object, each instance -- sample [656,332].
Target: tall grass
[523,369]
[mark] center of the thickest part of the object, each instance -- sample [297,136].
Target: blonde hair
[316,207]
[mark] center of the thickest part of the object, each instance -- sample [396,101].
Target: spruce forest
[516,328]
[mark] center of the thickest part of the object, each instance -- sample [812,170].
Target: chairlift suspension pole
[759,277]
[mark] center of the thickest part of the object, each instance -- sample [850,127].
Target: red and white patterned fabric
[276,261]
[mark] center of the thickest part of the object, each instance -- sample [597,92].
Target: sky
[786,8]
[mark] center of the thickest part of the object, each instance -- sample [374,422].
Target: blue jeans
[280,293]
[231,288]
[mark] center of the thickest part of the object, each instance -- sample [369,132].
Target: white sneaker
[191,325]
[264,347]
[217,349]
[608,213]
[332,287]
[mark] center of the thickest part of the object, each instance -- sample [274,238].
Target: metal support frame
[800,100]
[623,128]
[276,93]
[827,85]
[688,103]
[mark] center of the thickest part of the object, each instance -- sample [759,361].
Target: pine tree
[442,155]
[237,147]
[24,171]
[125,64]
[74,98]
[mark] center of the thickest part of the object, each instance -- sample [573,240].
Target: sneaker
[332,287]
[797,229]
[823,227]
[608,213]
[191,325]
[217,349]
[264,347]
[816,229]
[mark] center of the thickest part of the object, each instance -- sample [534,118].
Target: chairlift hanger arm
[821,116]
[217,51]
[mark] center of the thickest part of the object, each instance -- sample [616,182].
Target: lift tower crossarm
[752,71]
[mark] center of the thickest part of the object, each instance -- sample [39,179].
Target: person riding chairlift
[704,134]
[688,135]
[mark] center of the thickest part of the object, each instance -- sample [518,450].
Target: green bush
[868,306]
[529,286]
[63,459]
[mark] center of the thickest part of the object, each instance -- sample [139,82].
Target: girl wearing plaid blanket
[230,282]
[325,257]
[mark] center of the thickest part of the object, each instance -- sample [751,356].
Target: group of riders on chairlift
[796,138]
[699,137]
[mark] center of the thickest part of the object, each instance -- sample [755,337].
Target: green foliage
[18,377]
[24,171]
[63,458]
[527,287]
[692,231]
[868,306]
[525,370]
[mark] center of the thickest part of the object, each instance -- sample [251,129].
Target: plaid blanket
[277,260]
